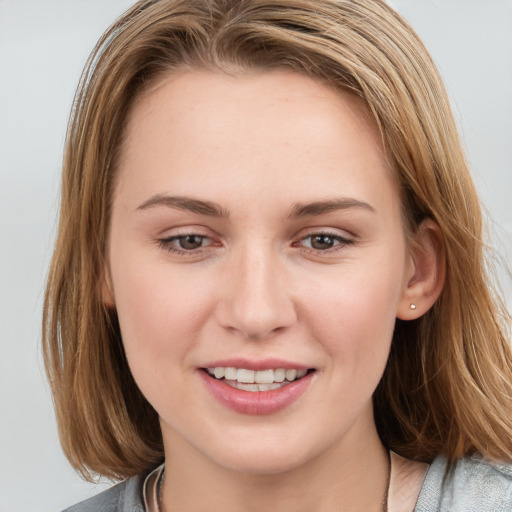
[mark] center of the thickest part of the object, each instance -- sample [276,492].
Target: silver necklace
[157,488]
[155,477]
[388,483]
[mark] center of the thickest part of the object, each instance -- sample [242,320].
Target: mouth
[270,379]
[257,387]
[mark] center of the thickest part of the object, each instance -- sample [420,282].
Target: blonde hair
[447,387]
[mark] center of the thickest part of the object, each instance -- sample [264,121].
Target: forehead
[259,131]
[201,101]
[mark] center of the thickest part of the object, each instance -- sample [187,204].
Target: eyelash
[342,242]
[168,243]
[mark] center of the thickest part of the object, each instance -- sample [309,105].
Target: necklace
[156,489]
[388,482]
[152,488]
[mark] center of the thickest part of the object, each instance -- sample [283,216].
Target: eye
[190,242]
[324,242]
[186,243]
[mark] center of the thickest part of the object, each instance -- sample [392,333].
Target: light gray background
[43,47]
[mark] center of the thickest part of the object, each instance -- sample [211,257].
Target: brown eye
[322,242]
[190,242]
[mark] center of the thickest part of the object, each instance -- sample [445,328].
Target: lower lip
[256,402]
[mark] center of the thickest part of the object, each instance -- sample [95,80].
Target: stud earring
[412,306]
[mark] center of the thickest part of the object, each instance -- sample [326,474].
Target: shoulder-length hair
[447,386]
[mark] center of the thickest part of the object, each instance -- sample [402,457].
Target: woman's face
[256,227]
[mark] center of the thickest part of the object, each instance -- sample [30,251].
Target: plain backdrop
[43,47]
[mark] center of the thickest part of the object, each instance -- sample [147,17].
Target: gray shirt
[471,485]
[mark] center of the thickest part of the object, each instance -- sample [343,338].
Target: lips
[252,388]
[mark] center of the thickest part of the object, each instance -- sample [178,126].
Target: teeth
[261,378]
[264,377]
[291,374]
[246,376]
[218,372]
[279,375]
[230,374]
[253,387]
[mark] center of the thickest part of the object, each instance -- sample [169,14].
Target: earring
[412,306]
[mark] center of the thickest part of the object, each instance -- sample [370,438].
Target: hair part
[447,386]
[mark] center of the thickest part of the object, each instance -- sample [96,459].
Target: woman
[269,270]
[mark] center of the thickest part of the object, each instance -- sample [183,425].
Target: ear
[426,276]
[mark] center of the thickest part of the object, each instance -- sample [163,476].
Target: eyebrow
[212,209]
[185,203]
[327,206]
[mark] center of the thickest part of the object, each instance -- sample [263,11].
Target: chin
[263,454]
[261,462]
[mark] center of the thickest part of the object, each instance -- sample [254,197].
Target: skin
[258,145]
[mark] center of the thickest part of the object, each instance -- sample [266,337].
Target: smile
[259,380]
[266,389]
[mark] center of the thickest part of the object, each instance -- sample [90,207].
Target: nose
[255,300]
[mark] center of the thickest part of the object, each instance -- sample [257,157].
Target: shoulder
[472,484]
[123,497]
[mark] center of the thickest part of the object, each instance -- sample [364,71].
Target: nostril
[256,309]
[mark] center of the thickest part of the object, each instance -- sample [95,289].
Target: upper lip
[253,364]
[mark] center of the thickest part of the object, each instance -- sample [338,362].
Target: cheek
[160,318]
[354,318]
[160,314]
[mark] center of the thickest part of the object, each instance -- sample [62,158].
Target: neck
[351,476]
